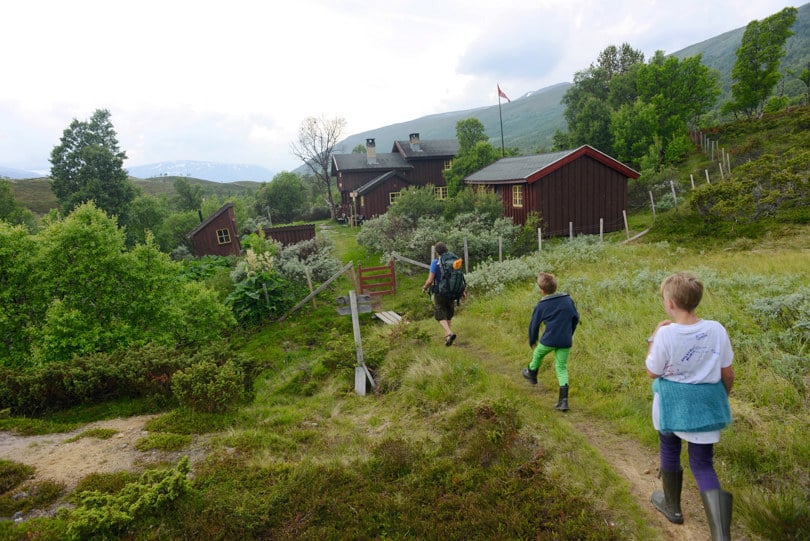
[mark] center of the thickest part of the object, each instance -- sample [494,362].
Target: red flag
[502,95]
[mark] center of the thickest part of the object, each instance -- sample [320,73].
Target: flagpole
[500,116]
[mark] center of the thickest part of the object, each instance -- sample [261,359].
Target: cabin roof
[530,169]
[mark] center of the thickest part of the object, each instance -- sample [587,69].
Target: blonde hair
[547,282]
[684,288]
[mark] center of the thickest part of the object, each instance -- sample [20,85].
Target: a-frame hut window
[517,195]
[223,236]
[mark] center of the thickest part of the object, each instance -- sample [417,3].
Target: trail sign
[356,305]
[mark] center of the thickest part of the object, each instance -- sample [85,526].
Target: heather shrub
[209,388]
[102,515]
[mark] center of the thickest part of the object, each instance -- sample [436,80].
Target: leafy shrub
[209,388]
[204,267]
[82,291]
[260,296]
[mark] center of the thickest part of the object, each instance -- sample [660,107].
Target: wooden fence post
[539,240]
[674,195]
[626,225]
[652,205]
[466,256]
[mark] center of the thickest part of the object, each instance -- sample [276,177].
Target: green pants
[560,361]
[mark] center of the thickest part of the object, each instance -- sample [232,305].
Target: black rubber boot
[718,504]
[530,375]
[669,501]
[562,402]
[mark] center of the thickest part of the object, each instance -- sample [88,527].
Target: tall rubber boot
[669,501]
[718,504]
[530,375]
[562,402]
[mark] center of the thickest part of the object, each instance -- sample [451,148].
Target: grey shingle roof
[517,168]
[373,183]
[429,148]
[359,162]
[530,168]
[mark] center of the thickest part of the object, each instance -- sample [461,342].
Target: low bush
[139,372]
[103,515]
[163,442]
[209,388]
[12,474]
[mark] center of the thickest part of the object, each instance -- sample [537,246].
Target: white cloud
[231,82]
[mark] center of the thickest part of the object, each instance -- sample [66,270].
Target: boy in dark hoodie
[559,314]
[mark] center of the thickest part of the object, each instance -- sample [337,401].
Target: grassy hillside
[36,195]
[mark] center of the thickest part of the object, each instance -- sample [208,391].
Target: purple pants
[701,460]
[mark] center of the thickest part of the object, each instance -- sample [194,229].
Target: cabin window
[448,164]
[440,192]
[392,196]
[223,236]
[517,195]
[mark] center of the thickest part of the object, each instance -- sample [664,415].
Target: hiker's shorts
[444,308]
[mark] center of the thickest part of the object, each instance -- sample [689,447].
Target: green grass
[99,433]
[163,442]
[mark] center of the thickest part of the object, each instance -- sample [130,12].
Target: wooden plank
[389,318]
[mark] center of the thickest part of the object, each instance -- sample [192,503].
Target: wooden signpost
[357,304]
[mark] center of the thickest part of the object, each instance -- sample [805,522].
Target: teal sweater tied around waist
[691,407]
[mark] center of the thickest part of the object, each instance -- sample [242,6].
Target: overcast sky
[231,81]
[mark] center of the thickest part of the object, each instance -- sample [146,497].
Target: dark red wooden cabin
[572,188]
[369,182]
[217,235]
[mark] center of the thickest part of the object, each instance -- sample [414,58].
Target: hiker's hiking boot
[669,501]
[530,375]
[562,402]
[449,339]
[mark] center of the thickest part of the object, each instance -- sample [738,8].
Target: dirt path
[627,457]
[639,467]
[68,462]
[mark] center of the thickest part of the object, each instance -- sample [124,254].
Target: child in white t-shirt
[692,357]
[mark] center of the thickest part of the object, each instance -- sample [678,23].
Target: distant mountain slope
[217,172]
[12,173]
[529,123]
[720,53]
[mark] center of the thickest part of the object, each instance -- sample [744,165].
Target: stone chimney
[371,151]
[415,142]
